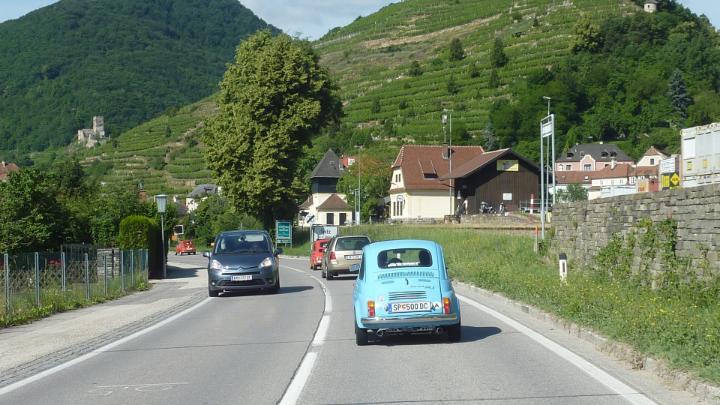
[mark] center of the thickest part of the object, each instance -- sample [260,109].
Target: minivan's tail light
[446,305]
[332,256]
[371,309]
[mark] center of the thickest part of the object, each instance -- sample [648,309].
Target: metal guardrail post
[122,271]
[147,265]
[105,275]
[112,263]
[63,271]
[6,263]
[87,277]
[37,279]
[132,269]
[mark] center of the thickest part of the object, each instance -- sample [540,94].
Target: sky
[312,18]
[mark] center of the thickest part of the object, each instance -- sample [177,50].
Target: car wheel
[213,293]
[276,288]
[329,275]
[361,335]
[454,333]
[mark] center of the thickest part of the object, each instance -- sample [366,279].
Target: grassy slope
[371,56]
[366,68]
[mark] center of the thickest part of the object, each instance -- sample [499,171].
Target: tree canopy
[273,98]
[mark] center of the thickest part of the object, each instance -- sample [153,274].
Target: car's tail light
[371,309]
[332,256]
[446,305]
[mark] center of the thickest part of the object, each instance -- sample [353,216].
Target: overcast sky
[313,18]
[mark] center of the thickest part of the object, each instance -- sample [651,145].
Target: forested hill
[607,64]
[127,60]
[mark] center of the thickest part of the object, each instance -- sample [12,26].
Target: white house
[325,205]
[650,6]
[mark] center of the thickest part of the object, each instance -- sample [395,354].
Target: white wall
[423,204]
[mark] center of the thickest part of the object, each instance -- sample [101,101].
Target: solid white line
[297,384]
[321,331]
[625,391]
[299,379]
[68,364]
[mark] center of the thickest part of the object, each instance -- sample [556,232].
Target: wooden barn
[501,176]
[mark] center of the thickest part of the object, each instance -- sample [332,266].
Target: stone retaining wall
[583,228]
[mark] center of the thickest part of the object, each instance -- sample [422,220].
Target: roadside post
[122,271]
[535,245]
[562,263]
[132,268]
[63,271]
[37,279]
[87,277]
[105,275]
[6,263]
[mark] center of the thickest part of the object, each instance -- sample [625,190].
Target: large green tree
[273,98]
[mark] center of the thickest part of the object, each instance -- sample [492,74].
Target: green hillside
[126,60]
[371,57]
[615,74]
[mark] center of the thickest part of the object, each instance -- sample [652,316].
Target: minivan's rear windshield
[351,243]
[393,258]
[243,243]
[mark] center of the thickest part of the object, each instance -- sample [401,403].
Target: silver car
[341,253]
[243,260]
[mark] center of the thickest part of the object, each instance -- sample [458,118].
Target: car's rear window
[321,245]
[351,243]
[412,257]
[243,243]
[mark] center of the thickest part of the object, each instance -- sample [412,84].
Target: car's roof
[377,247]
[243,232]
[352,236]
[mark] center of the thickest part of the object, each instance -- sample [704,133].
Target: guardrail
[72,276]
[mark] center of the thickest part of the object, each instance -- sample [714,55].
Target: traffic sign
[283,232]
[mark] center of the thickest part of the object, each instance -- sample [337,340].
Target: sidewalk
[28,349]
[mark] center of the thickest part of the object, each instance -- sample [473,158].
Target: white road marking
[68,364]
[626,392]
[299,379]
[297,384]
[106,390]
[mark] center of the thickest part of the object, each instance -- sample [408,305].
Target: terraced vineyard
[164,154]
[371,57]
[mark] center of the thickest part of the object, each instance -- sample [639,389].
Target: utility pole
[447,118]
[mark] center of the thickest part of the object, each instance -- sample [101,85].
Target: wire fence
[75,275]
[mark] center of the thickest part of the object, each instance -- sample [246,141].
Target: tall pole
[542,185]
[162,236]
[357,162]
[452,203]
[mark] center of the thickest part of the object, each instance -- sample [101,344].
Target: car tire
[276,288]
[361,335]
[213,293]
[454,333]
[329,275]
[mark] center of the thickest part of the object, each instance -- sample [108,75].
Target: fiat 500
[403,286]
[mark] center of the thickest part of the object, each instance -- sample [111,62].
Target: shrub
[415,69]
[135,232]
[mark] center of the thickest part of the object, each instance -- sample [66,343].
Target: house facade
[591,157]
[93,136]
[198,194]
[494,178]
[325,205]
[418,189]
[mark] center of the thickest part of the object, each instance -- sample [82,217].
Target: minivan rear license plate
[353,257]
[246,277]
[410,306]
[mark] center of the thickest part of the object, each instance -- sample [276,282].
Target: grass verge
[680,325]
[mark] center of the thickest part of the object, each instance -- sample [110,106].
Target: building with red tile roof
[6,169]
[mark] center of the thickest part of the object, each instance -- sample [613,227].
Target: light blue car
[403,286]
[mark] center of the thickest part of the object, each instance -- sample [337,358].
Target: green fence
[76,275]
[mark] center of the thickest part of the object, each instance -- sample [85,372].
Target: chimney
[613,163]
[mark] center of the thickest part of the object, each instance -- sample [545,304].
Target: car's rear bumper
[410,321]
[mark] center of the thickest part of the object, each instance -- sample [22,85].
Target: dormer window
[604,154]
[582,154]
[613,154]
[570,155]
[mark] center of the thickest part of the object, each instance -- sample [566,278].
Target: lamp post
[161,201]
[447,119]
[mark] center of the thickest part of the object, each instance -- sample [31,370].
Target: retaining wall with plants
[646,234]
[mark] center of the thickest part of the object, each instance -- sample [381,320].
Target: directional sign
[283,232]
[547,126]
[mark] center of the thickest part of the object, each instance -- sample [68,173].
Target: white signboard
[507,196]
[547,126]
[667,166]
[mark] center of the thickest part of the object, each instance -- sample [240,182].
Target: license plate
[246,277]
[353,257]
[410,306]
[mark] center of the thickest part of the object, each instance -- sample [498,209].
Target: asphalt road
[299,346]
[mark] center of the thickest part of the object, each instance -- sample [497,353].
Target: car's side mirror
[354,268]
[278,251]
[206,254]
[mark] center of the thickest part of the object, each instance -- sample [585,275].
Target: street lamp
[447,118]
[161,202]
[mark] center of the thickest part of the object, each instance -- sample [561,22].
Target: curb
[675,378]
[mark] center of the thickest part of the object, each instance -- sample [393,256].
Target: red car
[316,256]
[185,246]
